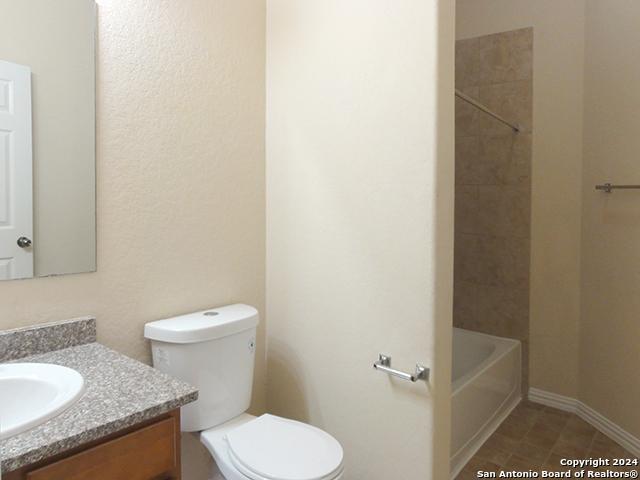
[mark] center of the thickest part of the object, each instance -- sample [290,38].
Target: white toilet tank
[213,350]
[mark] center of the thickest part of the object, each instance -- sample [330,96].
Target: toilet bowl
[273,448]
[214,350]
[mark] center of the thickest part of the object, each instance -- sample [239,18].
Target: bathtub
[485,389]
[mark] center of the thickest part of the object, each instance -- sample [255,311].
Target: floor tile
[582,441]
[542,436]
[493,454]
[553,420]
[503,443]
[535,437]
[527,414]
[578,426]
[514,428]
[569,450]
[534,454]
[521,464]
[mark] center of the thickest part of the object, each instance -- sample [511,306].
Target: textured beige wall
[556,174]
[180,169]
[56,40]
[360,227]
[493,188]
[610,331]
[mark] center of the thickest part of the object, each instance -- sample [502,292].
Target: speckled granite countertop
[120,392]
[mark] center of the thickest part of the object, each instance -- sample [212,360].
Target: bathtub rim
[503,346]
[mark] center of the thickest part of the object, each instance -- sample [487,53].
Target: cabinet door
[145,454]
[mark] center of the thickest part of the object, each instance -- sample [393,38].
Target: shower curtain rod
[514,126]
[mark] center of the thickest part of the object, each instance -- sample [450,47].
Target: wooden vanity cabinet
[147,451]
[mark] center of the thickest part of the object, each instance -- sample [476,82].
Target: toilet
[214,350]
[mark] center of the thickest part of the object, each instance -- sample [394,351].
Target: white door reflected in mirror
[16,160]
[47,138]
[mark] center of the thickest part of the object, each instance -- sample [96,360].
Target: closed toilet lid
[274,448]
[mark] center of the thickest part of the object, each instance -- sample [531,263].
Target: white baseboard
[589,415]
[554,400]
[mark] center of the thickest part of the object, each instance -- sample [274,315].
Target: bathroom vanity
[126,424]
[149,450]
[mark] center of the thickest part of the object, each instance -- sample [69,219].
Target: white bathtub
[486,388]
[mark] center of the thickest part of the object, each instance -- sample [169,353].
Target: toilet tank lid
[204,325]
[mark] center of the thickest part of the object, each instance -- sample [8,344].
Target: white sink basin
[32,393]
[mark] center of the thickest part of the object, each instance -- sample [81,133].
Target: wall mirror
[47,138]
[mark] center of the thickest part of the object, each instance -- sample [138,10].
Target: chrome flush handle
[384,365]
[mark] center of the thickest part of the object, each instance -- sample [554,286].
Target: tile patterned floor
[535,437]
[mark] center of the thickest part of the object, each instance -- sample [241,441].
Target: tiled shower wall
[493,187]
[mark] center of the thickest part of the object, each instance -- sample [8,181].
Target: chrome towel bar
[609,188]
[384,365]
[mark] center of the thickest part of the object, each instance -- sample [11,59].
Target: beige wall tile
[502,210]
[510,57]
[493,210]
[468,170]
[466,267]
[493,160]
[464,304]
[467,63]
[466,210]
[504,310]
[498,58]
[501,261]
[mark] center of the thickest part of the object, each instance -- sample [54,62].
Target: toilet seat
[274,448]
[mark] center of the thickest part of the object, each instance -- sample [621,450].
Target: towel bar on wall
[609,188]
[384,365]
